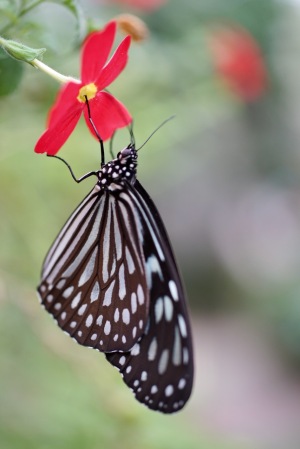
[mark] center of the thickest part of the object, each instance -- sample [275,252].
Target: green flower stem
[53,73]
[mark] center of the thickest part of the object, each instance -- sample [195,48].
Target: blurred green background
[225,174]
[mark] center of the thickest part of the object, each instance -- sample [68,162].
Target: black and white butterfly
[111,282]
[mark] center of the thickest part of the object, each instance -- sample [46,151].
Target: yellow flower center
[88,91]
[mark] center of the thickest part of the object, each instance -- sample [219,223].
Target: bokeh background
[225,174]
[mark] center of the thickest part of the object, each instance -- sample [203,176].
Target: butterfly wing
[159,367]
[93,278]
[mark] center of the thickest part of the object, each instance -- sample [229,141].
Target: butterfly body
[111,282]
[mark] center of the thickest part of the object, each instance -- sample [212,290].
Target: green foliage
[11,72]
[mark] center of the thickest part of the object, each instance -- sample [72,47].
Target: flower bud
[132,25]
[21,52]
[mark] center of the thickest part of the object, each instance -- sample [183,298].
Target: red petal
[143,5]
[108,115]
[115,65]
[65,100]
[55,136]
[239,61]
[95,52]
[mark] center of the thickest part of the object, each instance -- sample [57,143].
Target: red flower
[108,114]
[143,5]
[238,60]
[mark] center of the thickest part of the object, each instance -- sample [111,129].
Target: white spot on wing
[168,308]
[163,361]
[125,316]
[173,290]
[154,389]
[135,350]
[89,320]
[89,268]
[59,285]
[82,309]
[177,350]
[133,302]
[122,286]
[76,300]
[152,349]
[108,294]
[185,356]
[140,295]
[116,315]
[182,325]
[106,243]
[107,328]
[158,309]
[95,292]
[169,390]
[68,292]
[181,384]
[99,320]
[129,260]
[122,360]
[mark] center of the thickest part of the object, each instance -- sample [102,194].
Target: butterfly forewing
[94,279]
[159,368]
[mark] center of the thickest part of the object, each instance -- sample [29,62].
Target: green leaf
[10,74]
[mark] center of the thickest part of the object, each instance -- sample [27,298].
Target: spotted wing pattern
[159,367]
[93,278]
[111,282]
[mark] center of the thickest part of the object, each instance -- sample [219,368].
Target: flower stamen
[88,91]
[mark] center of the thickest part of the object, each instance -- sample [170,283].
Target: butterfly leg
[87,175]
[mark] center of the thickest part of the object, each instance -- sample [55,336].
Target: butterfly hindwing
[159,368]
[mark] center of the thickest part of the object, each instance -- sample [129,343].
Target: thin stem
[53,73]
[111,145]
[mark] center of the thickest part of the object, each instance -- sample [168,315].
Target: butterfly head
[128,153]
[120,169]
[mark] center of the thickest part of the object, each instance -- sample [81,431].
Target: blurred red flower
[107,112]
[144,5]
[238,60]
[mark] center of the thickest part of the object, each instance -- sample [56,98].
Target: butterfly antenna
[160,126]
[96,132]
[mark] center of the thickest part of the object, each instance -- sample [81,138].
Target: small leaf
[10,74]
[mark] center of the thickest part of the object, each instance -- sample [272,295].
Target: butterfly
[110,280]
